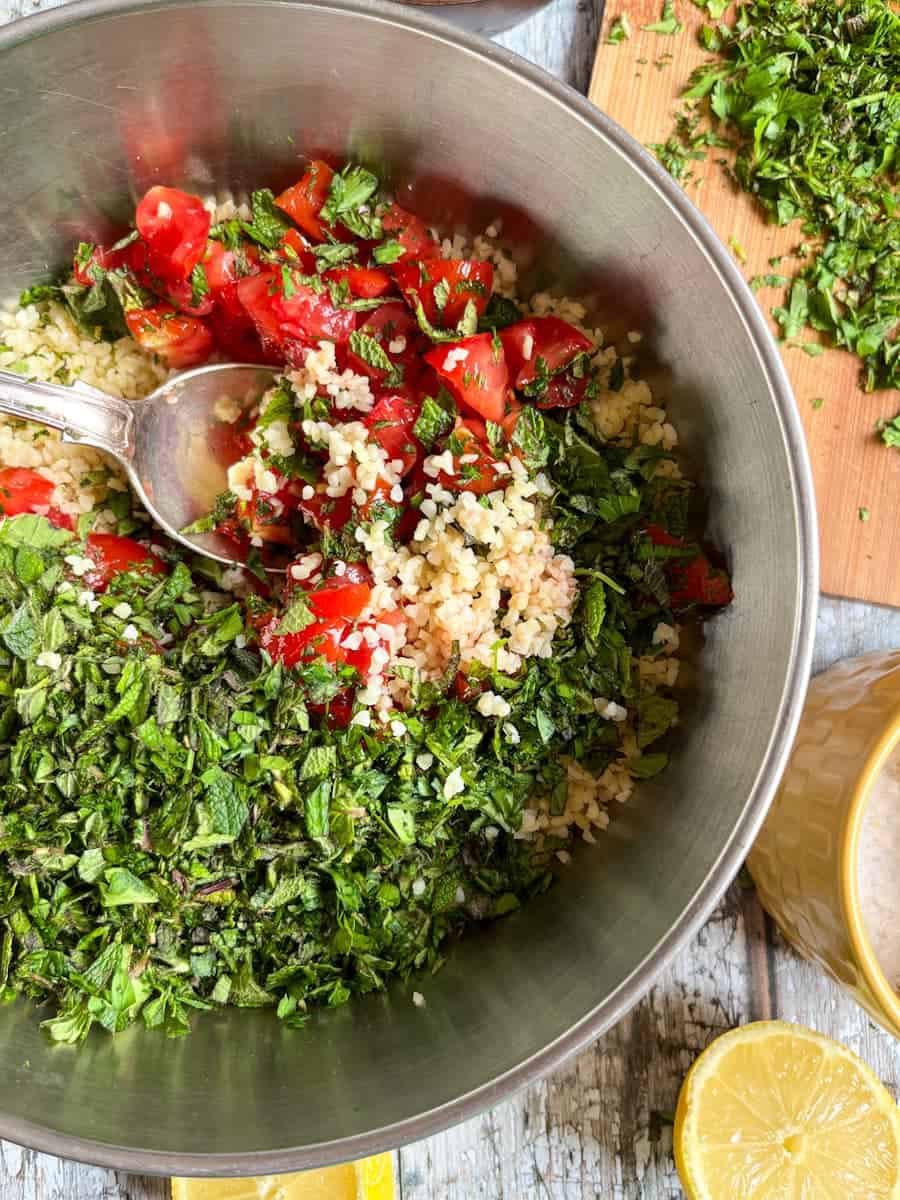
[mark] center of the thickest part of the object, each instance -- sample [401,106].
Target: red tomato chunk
[175,227]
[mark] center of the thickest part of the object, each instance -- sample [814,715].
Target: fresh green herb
[373,353]
[435,420]
[267,224]
[890,432]
[864,514]
[808,94]
[38,294]
[333,254]
[388,252]
[349,197]
[499,314]
[668,24]
[199,284]
[817,403]
[737,249]
[619,30]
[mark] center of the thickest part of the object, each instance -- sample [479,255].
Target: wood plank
[852,469]
[600,1126]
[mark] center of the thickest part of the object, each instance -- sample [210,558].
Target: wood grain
[637,82]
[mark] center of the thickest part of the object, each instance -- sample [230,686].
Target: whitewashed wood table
[599,1128]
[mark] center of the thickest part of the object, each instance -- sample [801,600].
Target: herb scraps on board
[807,95]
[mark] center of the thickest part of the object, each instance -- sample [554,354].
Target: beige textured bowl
[804,860]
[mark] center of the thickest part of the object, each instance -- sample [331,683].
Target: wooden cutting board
[637,82]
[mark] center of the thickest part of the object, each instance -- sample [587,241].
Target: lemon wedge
[368,1179]
[773,1111]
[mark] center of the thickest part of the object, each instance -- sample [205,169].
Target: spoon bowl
[164,443]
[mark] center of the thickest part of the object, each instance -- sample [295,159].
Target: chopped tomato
[175,226]
[377,502]
[391,422]
[112,555]
[304,200]
[23,491]
[366,283]
[325,512]
[294,248]
[321,639]
[410,231]
[179,340]
[238,339]
[286,311]
[699,582]
[391,325]
[62,520]
[340,596]
[459,280]
[554,341]
[224,270]
[181,295]
[661,537]
[229,442]
[467,689]
[474,370]
[564,391]
[133,256]
[511,416]
[337,712]
[478,474]
[693,582]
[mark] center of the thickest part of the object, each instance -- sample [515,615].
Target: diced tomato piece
[133,256]
[564,391]
[224,270]
[179,340]
[175,226]
[478,477]
[113,555]
[699,582]
[661,537]
[377,502]
[340,596]
[23,491]
[474,370]
[548,338]
[321,639]
[296,315]
[391,422]
[467,689]
[238,338]
[391,324]
[295,249]
[461,279]
[325,512]
[181,295]
[62,520]
[694,582]
[304,200]
[410,231]
[229,442]
[337,712]
[366,283]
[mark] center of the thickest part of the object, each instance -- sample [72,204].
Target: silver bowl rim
[790,704]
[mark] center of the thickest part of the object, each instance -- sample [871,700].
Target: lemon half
[774,1111]
[368,1179]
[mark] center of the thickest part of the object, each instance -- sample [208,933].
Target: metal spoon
[162,442]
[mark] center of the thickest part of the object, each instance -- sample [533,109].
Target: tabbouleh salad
[221,787]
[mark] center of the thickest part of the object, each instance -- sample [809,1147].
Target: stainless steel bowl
[482,16]
[101,98]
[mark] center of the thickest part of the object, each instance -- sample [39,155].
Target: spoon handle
[81,414]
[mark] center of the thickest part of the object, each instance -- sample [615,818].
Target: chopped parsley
[807,92]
